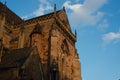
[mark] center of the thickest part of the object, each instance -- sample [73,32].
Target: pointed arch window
[64,47]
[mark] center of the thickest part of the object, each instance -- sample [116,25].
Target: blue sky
[98,31]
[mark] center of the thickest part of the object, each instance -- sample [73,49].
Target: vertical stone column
[2,23]
[21,38]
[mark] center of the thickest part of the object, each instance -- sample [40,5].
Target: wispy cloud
[103,25]
[43,6]
[111,37]
[86,13]
[27,16]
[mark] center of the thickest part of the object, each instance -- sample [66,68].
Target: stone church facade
[41,48]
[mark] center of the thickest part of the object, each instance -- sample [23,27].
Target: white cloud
[43,6]
[111,36]
[27,16]
[86,13]
[103,25]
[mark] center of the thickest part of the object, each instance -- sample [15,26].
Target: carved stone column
[21,38]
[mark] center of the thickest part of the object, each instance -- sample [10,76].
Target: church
[40,48]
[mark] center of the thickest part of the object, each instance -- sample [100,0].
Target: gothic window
[64,47]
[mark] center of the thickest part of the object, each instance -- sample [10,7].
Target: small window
[64,47]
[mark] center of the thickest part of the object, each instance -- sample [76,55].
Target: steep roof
[11,17]
[15,58]
[42,17]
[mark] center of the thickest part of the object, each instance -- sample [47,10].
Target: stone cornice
[35,20]
[66,30]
